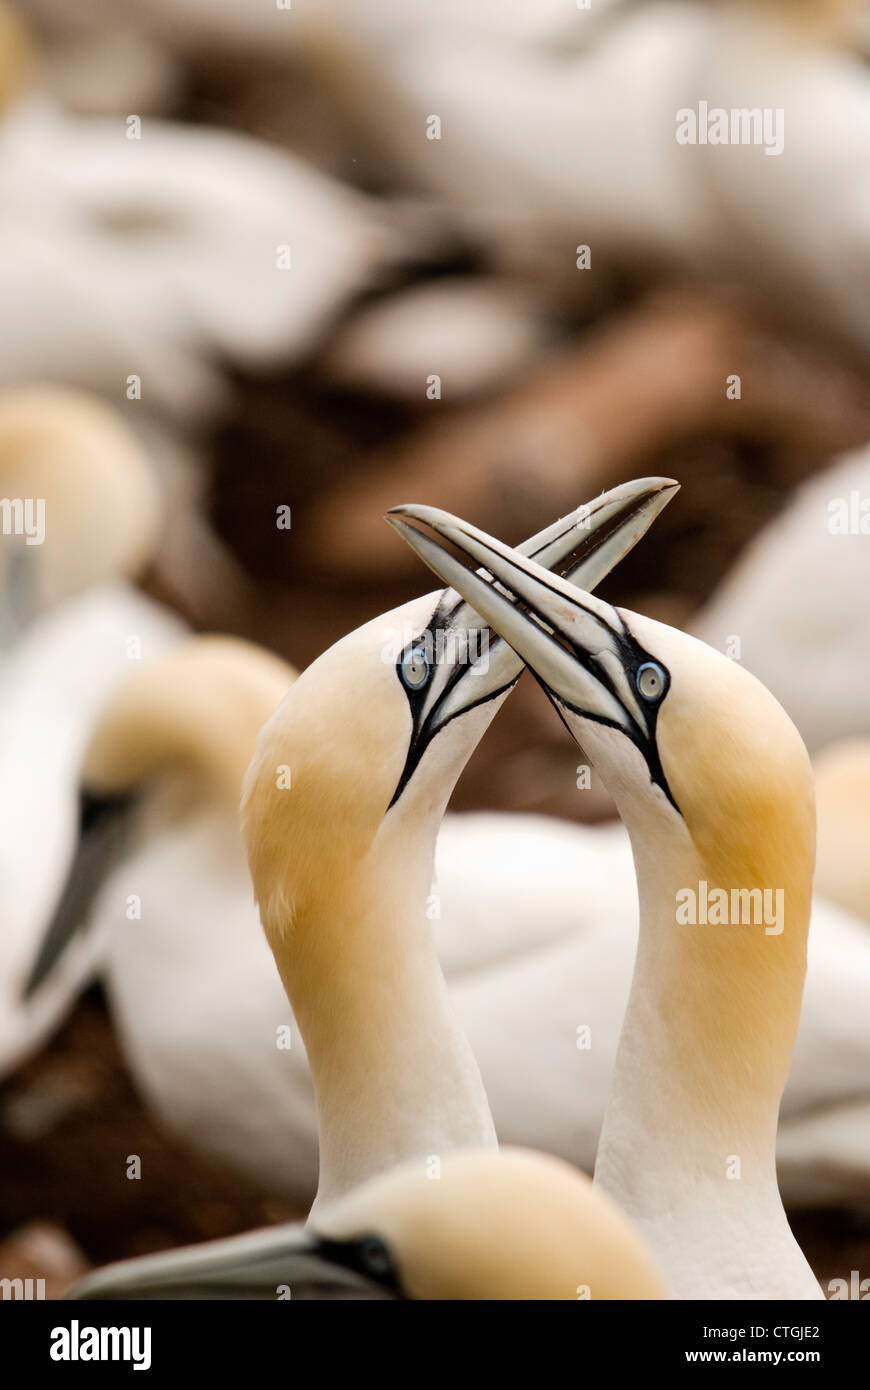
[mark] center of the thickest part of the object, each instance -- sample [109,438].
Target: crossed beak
[480,667]
[583,547]
[578,646]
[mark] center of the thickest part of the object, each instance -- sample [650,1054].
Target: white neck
[688,1143]
[394,1075]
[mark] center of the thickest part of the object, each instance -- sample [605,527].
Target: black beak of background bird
[578,647]
[251,1266]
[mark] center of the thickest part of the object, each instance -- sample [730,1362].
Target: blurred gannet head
[508,1225]
[69,463]
[512,1225]
[193,713]
[177,735]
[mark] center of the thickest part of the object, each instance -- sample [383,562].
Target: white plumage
[73,627]
[53,684]
[551,139]
[174,252]
[798,600]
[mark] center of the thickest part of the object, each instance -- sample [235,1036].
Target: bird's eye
[650,680]
[414,668]
[375,1257]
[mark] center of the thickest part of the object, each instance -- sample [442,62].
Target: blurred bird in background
[266,274]
[73,621]
[513,1225]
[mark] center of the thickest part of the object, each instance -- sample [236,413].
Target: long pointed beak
[588,543]
[585,545]
[257,1265]
[577,646]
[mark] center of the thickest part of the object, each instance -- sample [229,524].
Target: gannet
[473,1225]
[523,187]
[83,503]
[183,245]
[200,1010]
[714,786]
[71,628]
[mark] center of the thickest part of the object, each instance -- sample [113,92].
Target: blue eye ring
[651,681]
[415,668]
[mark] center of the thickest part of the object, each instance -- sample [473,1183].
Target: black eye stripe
[633,658]
[427,700]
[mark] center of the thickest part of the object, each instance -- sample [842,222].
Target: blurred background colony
[267,271]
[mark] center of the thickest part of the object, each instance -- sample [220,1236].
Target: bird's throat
[394,1075]
[705,1049]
